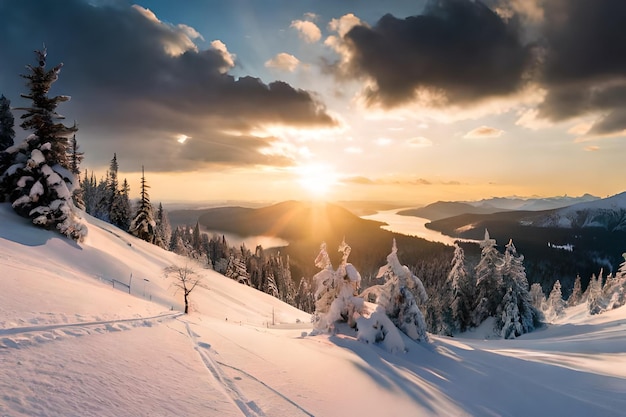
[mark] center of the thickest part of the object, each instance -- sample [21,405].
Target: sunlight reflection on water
[411,226]
[251,242]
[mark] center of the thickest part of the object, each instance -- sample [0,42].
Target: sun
[317,179]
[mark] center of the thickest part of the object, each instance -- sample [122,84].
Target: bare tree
[185,278]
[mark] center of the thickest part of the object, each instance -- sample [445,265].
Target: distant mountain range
[444,209]
[607,213]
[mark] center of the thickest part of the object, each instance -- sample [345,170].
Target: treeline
[267,271]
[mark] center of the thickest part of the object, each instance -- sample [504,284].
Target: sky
[411,101]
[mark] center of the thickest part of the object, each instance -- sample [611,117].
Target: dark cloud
[585,61]
[135,82]
[458,48]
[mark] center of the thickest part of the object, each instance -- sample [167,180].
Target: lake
[411,226]
[251,242]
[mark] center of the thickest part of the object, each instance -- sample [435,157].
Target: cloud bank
[138,82]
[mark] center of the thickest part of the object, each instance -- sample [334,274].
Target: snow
[72,345]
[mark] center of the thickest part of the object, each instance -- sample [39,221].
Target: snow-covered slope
[72,345]
[607,213]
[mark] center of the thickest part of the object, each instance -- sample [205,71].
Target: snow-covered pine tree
[537,297]
[596,303]
[177,244]
[120,211]
[101,207]
[143,225]
[164,229]
[401,295]
[88,186]
[461,292]
[304,299]
[576,297]
[7,124]
[195,237]
[324,282]
[555,304]
[335,294]
[489,291]
[615,288]
[516,313]
[36,176]
[76,157]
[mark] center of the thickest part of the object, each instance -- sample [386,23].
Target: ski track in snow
[223,383]
[19,337]
[230,388]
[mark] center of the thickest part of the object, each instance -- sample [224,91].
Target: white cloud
[179,39]
[190,32]
[228,57]
[483,132]
[307,30]
[343,25]
[383,141]
[284,62]
[336,42]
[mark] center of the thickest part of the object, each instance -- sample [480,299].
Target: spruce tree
[537,297]
[120,211]
[460,291]
[7,123]
[555,303]
[39,183]
[401,296]
[76,157]
[615,288]
[577,293]
[516,313]
[164,229]
[488,281]
[143,225]
[42,117]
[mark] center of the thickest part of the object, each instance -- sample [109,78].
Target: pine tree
[335,294]
[555,303]
[41,117]
[195,238]
[164,229]
[516,312]
[401,295]
[39,183]
[537,297]
[120,211]
[7,123]
[76,157]
[101,206]
[304,299]
[461,292]
[615,288]
[488,281]
[143,225]
[595,300]
[577,293]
